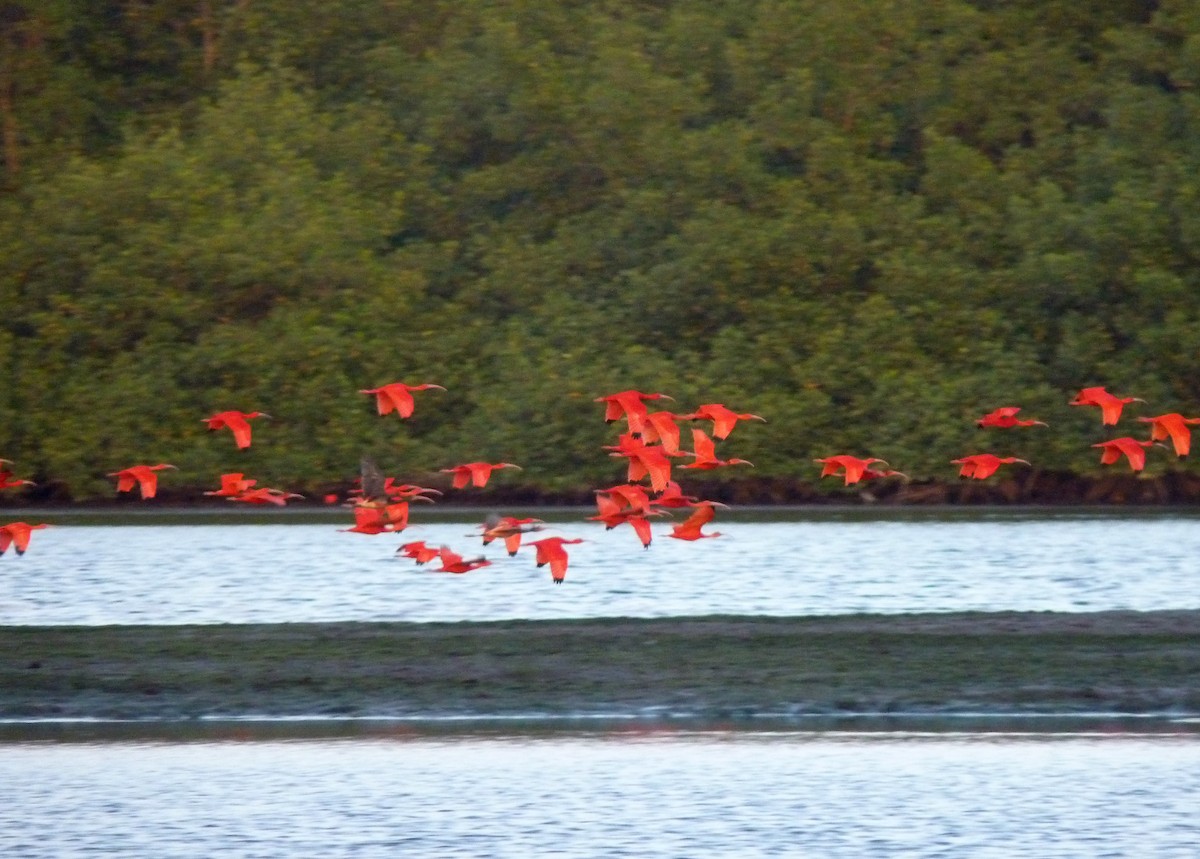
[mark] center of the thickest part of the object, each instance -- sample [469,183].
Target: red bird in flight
[142,476]
[237,422]
[691,527]
[232,484]
[16,534]
[661,427]
[705,452]
[1175,427]
[1110,404]
[853,468]
[651,460]
[983,465]
[1131,448]
[418,551]
[724,419]
[265,495]
[509,529]
[7,480]
[630,405]
[1005,417]
[452,562]
[550,551]
[397,397]
[614,512]
[475,473]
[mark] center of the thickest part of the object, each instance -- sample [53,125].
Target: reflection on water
[92,571]
[620,793]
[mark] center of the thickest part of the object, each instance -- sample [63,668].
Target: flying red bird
[7,479]
[853,468]
[1006,417]
[142,476]
[232,484]
[550,551]
[16,534]
[1110,404]
[509,529]
[397,397]
[379,519]
[673,497]
[690,528]
[475,473]
[629,496]
[1174,426]
[265,495]
[237,422]
[418,551]
[613,512]
[630,405]
[1131,448]
[661,427]
[983,465]
[650,460]
[452,562]
[723,418]
[705,452]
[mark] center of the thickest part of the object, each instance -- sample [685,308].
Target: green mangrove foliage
[868,222]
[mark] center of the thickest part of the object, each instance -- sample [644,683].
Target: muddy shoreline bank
[1034,487]
[1134,663]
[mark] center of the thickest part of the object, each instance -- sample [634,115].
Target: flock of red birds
[649,445]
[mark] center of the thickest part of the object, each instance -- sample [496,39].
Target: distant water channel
[607,794]
[196,568]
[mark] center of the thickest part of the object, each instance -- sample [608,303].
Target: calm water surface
[618,794]
[207,569]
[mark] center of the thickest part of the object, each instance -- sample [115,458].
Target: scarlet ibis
[397,397]
[613,513]
[1110,404]
[724,419]
[7,479]
[16,534]
[852,467]
[661,427]
[374,519]
[142,476]
[265,495]
[705,451]
[1131,448]
[475,473]
[644,460]
[232,484]
[1006,417]
[983,465]
[418,551]
[1175,426]
[673,497]
[550,551]
[452,562]
[237,422]
[509,529]
[629,495]
[631,405]
[690,528]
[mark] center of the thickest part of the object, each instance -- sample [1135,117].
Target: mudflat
[706,667]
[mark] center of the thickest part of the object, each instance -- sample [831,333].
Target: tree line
[869,223]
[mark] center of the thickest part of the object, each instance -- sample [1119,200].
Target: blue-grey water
[699,794]
[209,569]
[181,791]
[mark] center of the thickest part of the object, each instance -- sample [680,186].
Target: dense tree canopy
[869,223]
